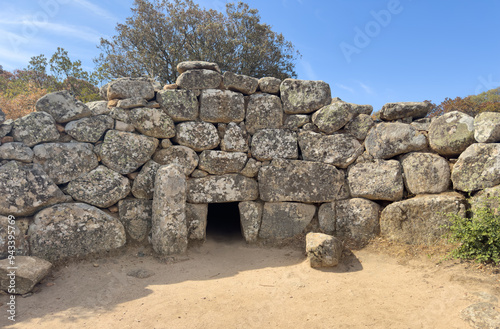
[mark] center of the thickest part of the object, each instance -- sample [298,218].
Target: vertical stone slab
[169,227]
[250,217]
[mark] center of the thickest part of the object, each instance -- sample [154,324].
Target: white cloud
[366,88]
[309,71]
[97,10]
[349,89]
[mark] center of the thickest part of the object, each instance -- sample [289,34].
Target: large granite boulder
[301,181]
[250,218]
[196,219]
[304,96]
[18,244]
[152,122]
[282,220]
[180,105]
[333,117]
[169,227]
[223,188]
[89,129]
[401,110]
[98,107]
[263,112]
[2,116]
[477,167]
[197,65]
[239,82]
[135,215]
[101,187]
[268,144]
[425,173]
[451,133]
[28,272]
[72,230]
[377,180]
[489,197]
[35,128]
[357,221]
[221,106]
[487,127]
[234,139]
[220,162]
[143,186]
[323,250]
[123,88]
[184,157]
[197,135]
[359,126]
[327,217]
[64,162]
[130,103]
[339,150]
[16,151]
[124,152]
[387,140]
[296,121]
[269,85]
[422,219]
[6,127]
[199,79]
[26,188]
[62,106]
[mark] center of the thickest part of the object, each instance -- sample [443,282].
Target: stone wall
[144,165]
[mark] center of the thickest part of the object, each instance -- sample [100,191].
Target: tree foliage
[488,101]
[161,33]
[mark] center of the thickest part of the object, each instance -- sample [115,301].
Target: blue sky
[369,51]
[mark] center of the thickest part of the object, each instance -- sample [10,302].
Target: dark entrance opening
[223,221]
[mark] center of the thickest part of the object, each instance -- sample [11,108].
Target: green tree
[161,34]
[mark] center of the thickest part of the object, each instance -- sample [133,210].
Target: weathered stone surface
[184,157]
[387,140]
[29,271]
[263,112]
[120,114]
[477,167]
[327,217]
[487,127]
[357,221]
[35,128]
[224,188]
[196,218]
[221,106]
[282,220]
[26,188]
[331,118]
[90,129]
[123,126]
[377,180]
[129,88]
[252,168]
[482,316]
[102,187]
[124,152]
[6,127]
[269,85]
[250,218]
[199,79]
[180,105]
[422,219]
[304,96]
[98,107]
[152,122]
[197,173]
[16,151]
[197,65]
[143,186]
[489,197]
[130,103]
[268,144]
[301,181]
[239,82]
[422,124]
[451,133]
[340,149]
[71,230]
[234,139]
[62,106]
[362,109]
[425,173]
[2,116]
[169,227]
[394,111]
[135,215]
[323,250]
[220,162]
[360,126]
[9,227]
[64,162]
[197,135]
[296,121]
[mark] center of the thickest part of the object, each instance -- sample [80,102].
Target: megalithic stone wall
[77,176]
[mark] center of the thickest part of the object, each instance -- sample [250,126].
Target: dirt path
[232,285]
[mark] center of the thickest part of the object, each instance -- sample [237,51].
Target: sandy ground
[228,284]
